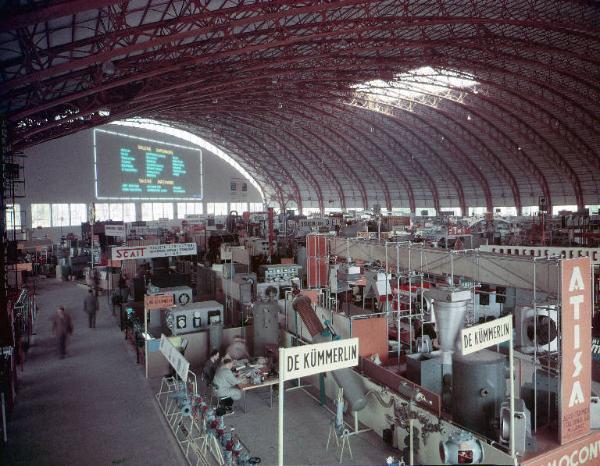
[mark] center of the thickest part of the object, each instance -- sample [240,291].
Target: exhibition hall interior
[240,232]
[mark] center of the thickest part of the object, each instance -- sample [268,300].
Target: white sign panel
[175,358]
[115,230]
[301,361]
[153,250]
[491,333]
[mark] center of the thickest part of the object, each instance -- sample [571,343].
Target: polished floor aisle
[92,408]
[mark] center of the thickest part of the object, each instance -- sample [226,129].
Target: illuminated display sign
[130,167]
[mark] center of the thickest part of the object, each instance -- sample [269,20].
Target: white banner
[481,336]
[301,361]
[115,230]
[153,250]
[175,358]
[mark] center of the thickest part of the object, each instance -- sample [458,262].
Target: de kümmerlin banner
[305,360]
[153,250]
[576,364]
[481,336]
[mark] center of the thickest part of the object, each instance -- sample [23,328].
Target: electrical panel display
[129,167]
[281,273]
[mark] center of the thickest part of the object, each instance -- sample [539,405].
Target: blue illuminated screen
[130,167]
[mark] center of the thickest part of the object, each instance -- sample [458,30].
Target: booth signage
[302,361]
[115,230]
[581,452]
[153,250]
[24,266]
[491,333]
[576,341]
[158,301]
[175,358]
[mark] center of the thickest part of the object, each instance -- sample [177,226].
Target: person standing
[90,306]
[62,327]
[210,367]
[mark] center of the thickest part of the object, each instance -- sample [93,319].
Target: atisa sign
[576,343]
[153,250]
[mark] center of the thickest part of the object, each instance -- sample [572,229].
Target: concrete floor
[92,408]
[306,427]
[96,408]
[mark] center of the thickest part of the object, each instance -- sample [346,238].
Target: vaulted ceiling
[348,103]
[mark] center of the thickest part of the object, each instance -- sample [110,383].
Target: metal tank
[265,324]
[478,390]
[450,307]
[215,336]
[354,391]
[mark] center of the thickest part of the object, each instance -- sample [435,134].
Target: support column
[6,336]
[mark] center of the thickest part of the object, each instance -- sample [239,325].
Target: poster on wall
[238,189]
[576,362]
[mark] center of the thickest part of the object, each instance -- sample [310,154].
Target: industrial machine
[193,317]
[282,274]
[182,295]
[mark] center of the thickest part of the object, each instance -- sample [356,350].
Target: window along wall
[216,208]
[239,207]
[189,208]
[157,210]
[56,215]
[117,212]
[13,217]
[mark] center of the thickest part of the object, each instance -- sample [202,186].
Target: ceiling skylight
[415,84]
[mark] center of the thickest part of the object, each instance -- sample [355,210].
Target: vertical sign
[576,364]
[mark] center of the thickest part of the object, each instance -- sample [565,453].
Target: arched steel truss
[273,83]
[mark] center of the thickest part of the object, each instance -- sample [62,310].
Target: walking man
[62,327]
[90,306]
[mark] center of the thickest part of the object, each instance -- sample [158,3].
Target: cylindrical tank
[265,325]
[449,318]
[301,257]
[215,336]
[354,392]
[478,389]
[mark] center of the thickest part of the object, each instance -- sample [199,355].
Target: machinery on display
[298,280]
[182,295]
[193,317]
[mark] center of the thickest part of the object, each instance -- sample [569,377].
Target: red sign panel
[576,344]
[158,301]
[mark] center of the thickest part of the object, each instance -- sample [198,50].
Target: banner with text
[305,360]
[117,231]
[175,358]
[158,301]
[585,451]
[481,336]
[153,250]
[576,342]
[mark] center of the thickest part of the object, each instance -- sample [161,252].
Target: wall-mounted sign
[238,189]
[481,336]
[175,358]
[576,361]
[117,231]
[305,360]
[585,451]
[153,250]
[158,301]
